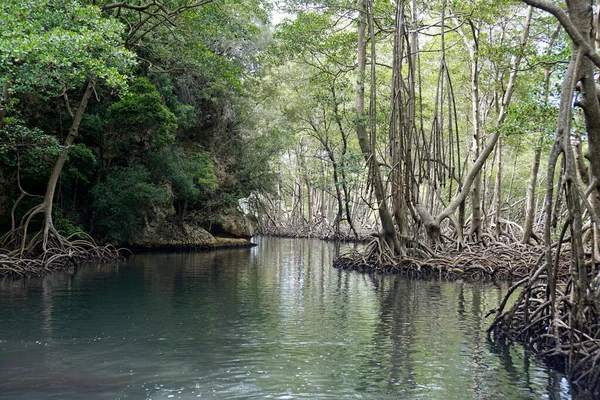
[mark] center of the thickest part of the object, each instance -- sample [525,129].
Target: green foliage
[122,203]
[532,118]
[29,149]
[67,228]
[255,167]
[212,48]
[49,46]
[37,153]
[81,164]
[190,176]
[186,130]
[16,136]
[185,113]
[200,167]
[313,35]
[315,73]
[140,122]
[231,31]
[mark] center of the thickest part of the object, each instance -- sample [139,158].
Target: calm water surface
[275,321]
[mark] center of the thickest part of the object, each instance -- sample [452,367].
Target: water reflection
[274,321]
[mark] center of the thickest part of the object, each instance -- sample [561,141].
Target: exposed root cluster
[67,254]
[554,326]
[495,261]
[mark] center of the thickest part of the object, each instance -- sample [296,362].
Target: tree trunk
[498,193]
[473,173]
[400,126]
[367,144]
[530,202]
[338,194]
[60,162]
[309,205]
[344,150]
[475,195]
[535,165]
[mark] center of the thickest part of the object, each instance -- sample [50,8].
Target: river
[275,321]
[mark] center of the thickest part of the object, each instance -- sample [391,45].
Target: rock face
[237,226]
[165,232]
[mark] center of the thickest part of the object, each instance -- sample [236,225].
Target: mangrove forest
[438,141]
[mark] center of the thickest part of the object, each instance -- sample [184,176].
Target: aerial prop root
[556,327]
[59,253]
[494,261]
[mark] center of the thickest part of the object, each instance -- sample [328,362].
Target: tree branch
[157,4]
[569,27]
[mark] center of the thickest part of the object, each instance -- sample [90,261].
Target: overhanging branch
[569,27]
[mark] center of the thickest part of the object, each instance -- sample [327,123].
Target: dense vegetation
[462,135]
[145,106]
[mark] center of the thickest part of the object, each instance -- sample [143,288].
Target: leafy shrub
[140,123]
[31,149]
[67,228]
[192,177]
[122,204]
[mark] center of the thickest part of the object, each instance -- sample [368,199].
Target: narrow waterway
[275,321]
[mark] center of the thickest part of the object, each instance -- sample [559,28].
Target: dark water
[275,321]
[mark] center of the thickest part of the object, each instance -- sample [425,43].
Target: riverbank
[19,267]
[216,244]
[164,236]
[475,262]
[69,257]
[317,230]
[168,235]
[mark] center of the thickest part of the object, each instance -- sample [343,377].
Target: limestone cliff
[163,231]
